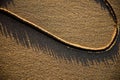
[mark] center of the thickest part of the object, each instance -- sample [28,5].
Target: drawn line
[38,28]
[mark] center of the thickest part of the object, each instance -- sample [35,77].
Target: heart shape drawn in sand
[68,39]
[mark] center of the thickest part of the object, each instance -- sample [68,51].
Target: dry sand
[81,22]
[26,54]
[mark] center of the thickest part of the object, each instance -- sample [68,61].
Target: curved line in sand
[38,28]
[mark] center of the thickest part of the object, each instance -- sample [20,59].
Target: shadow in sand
[4,3]
[29,37]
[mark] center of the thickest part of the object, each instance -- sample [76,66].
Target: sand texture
[27,54]
[81,22]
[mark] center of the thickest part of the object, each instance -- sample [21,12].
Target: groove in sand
[38,28]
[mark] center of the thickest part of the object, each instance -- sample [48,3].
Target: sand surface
[81,22]
[26,54]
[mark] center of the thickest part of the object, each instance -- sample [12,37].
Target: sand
[79,22]
[26,54]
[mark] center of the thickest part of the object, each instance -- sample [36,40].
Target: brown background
[26,54]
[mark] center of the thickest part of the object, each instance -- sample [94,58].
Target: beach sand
[26,54]
[81,22]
